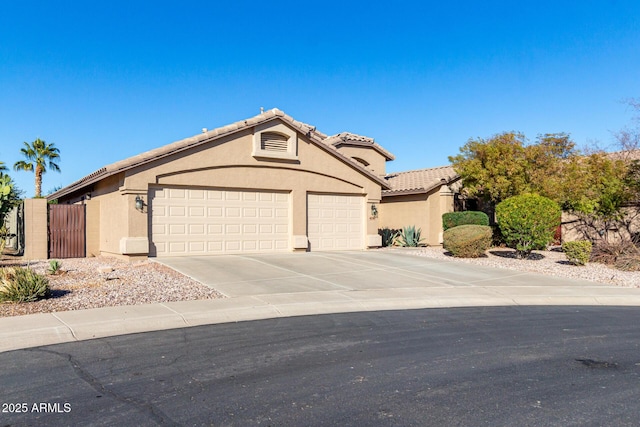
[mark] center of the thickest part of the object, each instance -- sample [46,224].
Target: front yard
[106,282]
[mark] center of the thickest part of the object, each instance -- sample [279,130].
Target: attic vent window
[275,142]
[361,161]
[271,141]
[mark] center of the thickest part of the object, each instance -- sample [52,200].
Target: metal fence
[67,231]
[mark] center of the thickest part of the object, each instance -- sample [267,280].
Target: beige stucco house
[419,198]
[265,184]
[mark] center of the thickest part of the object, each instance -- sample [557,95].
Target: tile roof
[311,132]
[352,139]
[626,155]
[419,181]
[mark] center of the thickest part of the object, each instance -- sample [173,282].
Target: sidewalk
[53,328]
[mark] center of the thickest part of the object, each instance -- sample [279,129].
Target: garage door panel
[177,211]
[214,195]
[216,221]
[177,247]
[232,212]
[232,245]
[249,245]
[177,229]
[196,211]
[196,229]
[214,212]
[335,222]
[177,193]
[250,229]
[214,247]
[232,229]
[196,247]
[249,212]
[214,229]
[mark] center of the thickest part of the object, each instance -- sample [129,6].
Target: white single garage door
[215,221]
[335,222]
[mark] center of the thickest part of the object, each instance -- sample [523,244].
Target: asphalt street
[497,366]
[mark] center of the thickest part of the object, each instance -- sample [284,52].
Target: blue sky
[107,80]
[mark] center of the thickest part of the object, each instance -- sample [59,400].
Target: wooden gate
[67,231]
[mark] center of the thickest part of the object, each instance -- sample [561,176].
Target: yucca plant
[55,267]
[22,285]
[410,237]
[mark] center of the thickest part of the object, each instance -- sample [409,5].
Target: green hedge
[455,219]
[467,241]
[528,222]
[577,252]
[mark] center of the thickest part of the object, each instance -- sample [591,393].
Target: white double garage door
[217,221]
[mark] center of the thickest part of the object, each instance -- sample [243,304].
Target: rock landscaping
[552,262]
[106,282]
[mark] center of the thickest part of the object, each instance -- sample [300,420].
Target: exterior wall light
[139,203]
[374,212]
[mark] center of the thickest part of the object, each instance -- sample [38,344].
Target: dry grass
[623,256]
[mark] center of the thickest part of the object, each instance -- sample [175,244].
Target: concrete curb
[52,328]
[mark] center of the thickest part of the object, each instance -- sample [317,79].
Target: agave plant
[389,236]
[54,267]
[410,237]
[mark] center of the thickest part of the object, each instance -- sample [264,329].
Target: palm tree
[3,168]
[38,156]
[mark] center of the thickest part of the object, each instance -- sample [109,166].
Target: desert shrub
[389,236]
[467,241]
[528,222]
[22,285]
[454,219]
[410,237]
[623,255]
[54,267]
[577,252]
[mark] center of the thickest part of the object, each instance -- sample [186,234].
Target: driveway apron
[263,274]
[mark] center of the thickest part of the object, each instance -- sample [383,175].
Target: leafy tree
[9,197]
[9,194]
[492,169]
[39,155]
[505,165]
[632,180]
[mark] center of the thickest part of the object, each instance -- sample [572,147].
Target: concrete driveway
[303,284]
[251,275]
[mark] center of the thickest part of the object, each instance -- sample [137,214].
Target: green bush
[454,219]
[54,267]
[389,236]
[467,241]
[410,237]
[577,252]
[22,285]
[528,222]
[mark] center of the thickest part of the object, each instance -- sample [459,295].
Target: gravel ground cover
[552,262]
[107,282]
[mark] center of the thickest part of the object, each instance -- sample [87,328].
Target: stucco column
[298,204]
[446,201]
[136,239]
[92,227]
[36,237]
[372,212]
